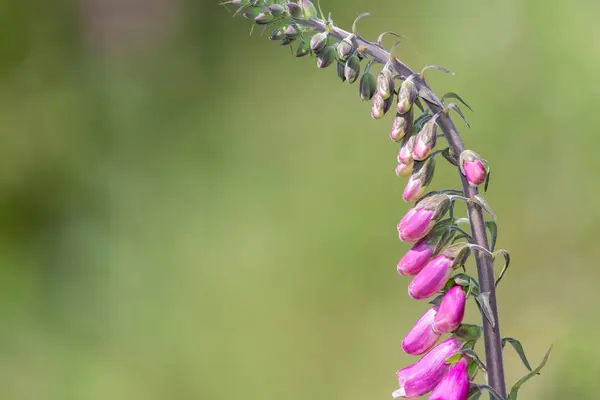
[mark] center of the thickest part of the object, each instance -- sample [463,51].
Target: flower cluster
[446,367]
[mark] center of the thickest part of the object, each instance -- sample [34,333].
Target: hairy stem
[485,267]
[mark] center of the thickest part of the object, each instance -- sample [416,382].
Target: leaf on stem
[515,389]
[493,228]
[452,95]
[483,301]
[506,256]
[518,348]
[480,201]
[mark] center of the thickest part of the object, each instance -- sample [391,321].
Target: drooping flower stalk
[441,245]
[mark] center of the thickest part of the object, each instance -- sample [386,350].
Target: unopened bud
[352,69]
[472,167]
[404,169]
[455,385]
[326,57]
[405,156]
[419,180]
[295,10]
[420,219]
[401,126]
[421,377]
[346,48]
[277,34]
[426,140]
[308,8]
[377,108]
[263,18]
[302,50]
[368,86]
[276,9]
[385,83]
[432,278]
[407,96]
[421,337]
[291,31]
[451,311]
[318,42]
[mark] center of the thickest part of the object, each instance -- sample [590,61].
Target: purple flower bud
[426,140]
[421,337]
[277,34]
[421,377]
[416,258]
[401,126]
[419,180]
[291,32]
[308,8]
[276,9]
[404,169]
[295,10]
[352,69]
[455,385]
[318,42]
[345,48]
[452,310]
[416,224]
[419,220]
[405,156]
[368,86]
[377,108]
[432,278]
[472,166]
[385,83]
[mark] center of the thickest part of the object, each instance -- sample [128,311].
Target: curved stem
[485,269]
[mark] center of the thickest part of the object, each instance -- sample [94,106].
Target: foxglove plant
[446,370]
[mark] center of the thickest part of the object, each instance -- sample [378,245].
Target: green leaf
[483,301]
[480,201]
[472,369]
[515,389]
[452,95]
[474,357]
[518,348]
[493,228]
[455,107]
[487,180]
[506,264]
[454,359]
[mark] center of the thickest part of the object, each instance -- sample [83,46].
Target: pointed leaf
[487,180]
[380,38]
[515,389]
[473,356]
[518,348]
[480,201]
[455,107]
[447,71]
[506,256]
[452,95]
[493,228]
[454,359]
[447,153]
[419,104]
[361,16]
[483,301]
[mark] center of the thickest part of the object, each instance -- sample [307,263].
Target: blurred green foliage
[189,212]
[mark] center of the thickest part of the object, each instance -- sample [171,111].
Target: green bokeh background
[189,212]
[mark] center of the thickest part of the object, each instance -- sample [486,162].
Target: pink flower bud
[405,156]
[404,169]
[419,220]
[421,377]
[425,141]
[455,385]
[451,312]
[472,167]
[432,278]
[415,259]
[421,337]
[401,126]
[413,190]
[419,180]
[416,224]
[475,172]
